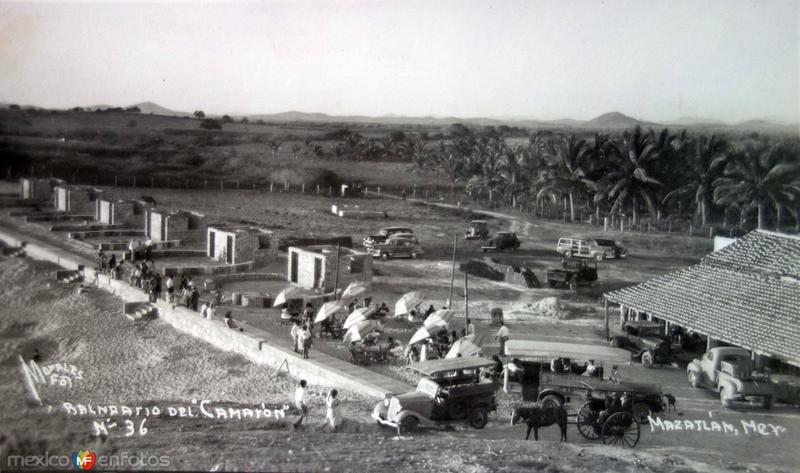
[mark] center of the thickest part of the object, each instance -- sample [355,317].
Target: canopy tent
[575,351]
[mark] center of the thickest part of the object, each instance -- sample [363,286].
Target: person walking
[211,311]
[295,333]
[305,337]
[300,402]
[170,290]
[502,335]
[332,410]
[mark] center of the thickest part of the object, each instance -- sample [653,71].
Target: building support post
[605,319]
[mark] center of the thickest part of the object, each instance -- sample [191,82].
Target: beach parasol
[465,346]
[328,309]
[355,288]
[359,315]
[360,330]
[426,332]
[288,293]
[440,316]
[408,302]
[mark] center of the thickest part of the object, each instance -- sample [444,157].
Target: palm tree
[566,171]
[708,161]
[756,175]
[630,180]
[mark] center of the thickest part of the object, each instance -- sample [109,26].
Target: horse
[541,416]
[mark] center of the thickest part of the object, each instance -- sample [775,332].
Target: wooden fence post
[605,224]
[622,225]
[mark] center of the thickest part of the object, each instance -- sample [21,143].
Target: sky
[730,60]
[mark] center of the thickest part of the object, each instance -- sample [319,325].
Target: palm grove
[735,182]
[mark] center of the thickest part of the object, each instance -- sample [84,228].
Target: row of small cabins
[310,266]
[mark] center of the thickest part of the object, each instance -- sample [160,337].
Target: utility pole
[452,274]
[466,301]
[336,277]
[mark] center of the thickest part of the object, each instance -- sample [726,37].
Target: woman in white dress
[332,413]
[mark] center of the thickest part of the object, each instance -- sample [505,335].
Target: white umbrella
[355,288]
[426,332]
[329,308]
[359,315]
[440,316]
[465,346]
[288,293]
[408,302]
[360,330]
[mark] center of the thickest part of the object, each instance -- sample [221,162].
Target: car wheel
[478,418]
[599,257]
[413,256]
[647,359]
[724,398]
[408,425]
[640,412]
[457,410]
[551,400]
[568,254]
[693,380]
[384,256]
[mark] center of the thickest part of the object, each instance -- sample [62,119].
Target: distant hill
[155,109]
[616,120]
[696,121]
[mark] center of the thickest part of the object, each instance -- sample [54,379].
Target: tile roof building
[745,294]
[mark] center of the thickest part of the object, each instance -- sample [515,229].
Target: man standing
[170,290]
[296,336]
[300,402]
[502,335]
[470,327]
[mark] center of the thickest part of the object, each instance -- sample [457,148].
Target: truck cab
[729,371]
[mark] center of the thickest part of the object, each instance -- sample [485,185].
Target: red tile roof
[746,294]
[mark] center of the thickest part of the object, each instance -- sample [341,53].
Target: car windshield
[428,386]
[649,331]
[604,242]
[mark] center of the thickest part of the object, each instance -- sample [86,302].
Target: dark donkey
[540,416]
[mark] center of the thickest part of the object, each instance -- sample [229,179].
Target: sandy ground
[150,364]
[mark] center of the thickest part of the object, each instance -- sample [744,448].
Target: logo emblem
[83,459]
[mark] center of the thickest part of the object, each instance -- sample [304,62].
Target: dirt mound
[550,307]
[481,269]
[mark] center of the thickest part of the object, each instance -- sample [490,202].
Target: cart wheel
[647,359]
[640,412]
[587,421]
[408,425]
[478,418]
[621,430]
[551,400]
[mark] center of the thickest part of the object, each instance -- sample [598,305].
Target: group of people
[332,417]
[109,265]
[301,338]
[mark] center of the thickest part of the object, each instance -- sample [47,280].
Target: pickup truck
[573,273]
[729,371]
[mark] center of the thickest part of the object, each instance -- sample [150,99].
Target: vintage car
[502,241]
[573,273]
[397,248]
[478,229]
[594,248]
[383,234]
[729,371]
[646,340]
[450,390]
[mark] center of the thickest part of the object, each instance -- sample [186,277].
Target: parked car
[501,242]
[646,341]
[729,371]
[447,393]
[478,229]
[385,233]
[573,273]
[594,248]
[397,248]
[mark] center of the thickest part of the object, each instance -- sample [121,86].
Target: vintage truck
[729,371]
[645,340]
[573,273]
[450,391]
